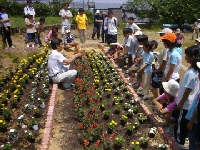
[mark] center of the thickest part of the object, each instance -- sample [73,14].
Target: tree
[167,11]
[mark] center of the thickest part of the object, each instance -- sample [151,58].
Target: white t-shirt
[39,26]
[65,12]
[191,81]
[55,63]
[28,9]
[5,16]
[161,56]
[105,22]
[133,26]
[131,44]
[112,26]
[173,57]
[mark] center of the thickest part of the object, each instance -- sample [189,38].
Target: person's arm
[6,20]
[192,120]
[169,73]
[142,68]
[159,106]
[184,98]
[70,60]
[162,66]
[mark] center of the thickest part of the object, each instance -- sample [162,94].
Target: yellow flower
[1,121]
[114,122]
[3,105]
[15,96]
[110,123]
[103,105]
[117,138]
[133,143]
[137,143]
[116,103]
[133,127]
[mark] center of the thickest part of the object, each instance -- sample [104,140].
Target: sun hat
[104,13]
[138,33]
[166,30]
[169,36]
[198,65]
[97,12]
[171,87]
[198,39]
[114,43]
[67,31]
[178,30]
[198,19]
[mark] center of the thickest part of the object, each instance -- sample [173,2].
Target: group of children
[159,72]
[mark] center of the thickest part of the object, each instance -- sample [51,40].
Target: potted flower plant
[121,98]
[117,108]
[129,129]
[8,93]
[116,100]
[135,145]
[45,92]
[4,100]
[30,136]
[33,123]
[163,146]
[120,82]
[152,132]
[123,120]
[13,134]
[31,99]
[106,114]
[142,118]
[21,120]
[119,141]
[27,108]
[34,86]
[130,113]
[124,88]
[135,109]
[7,114]
[41,103]
[136,124]
[111,126]
[36,112]
[143,142]
[7,146]
[117,91]
[128,94]
[133,101]
[126,106]
[3,125]
[103,105]
[14,102]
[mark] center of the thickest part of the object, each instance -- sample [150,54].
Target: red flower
[81,126]
[95,124]
[91,100]
[111,137]
[85,143]
[98,101]
[75,106]
[102,136]
[97,143]
[81,95]
[102,124]
[91,127]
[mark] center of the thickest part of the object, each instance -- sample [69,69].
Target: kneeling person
[59,66]
[166,103]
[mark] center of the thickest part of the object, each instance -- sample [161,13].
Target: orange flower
[85,143]
[95,124]
[97,143]
[111,137]
[102,136]
[81,126]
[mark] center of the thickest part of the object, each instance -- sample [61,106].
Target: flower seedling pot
[35,127]
[129,132]
[42,105]
[144,145]
[31,102]
[14,139]
[34,89]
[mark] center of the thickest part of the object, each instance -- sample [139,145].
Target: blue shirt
[148,59]
[4,16]
[69,39]
[193,107]
[97,17]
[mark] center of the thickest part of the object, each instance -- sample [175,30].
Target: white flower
[130,110]
[32,117]
[12,130]
[25,131]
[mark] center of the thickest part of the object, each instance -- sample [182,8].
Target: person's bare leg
[167,118]
[154,92]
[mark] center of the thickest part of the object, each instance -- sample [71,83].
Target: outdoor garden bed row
[109,116]
[23,102]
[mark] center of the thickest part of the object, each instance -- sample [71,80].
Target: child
[138,61]
[70,40]
[5,24]
[39,28]
[180,37]
[81,20]
[186,94]
[146,69]
[113,51]
[197,41]
[53,33]
[30,29]
[166,103]
[132,25]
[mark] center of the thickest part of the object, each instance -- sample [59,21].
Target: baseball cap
[171,87]
[178,30]
[138,33]
[169,36]
[166,30]
[67,31]
[198,39]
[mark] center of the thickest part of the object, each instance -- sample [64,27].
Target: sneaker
[145,97]
[28,46]
[33,45]
[139,89]
[12,47]
[126,71]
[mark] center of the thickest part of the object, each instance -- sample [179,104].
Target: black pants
[6,36]
[111,38]
[104,35]
[37,39]
[96,30]
[162,89]
[180,128]
[130,60]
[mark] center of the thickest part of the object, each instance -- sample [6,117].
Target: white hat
[97,12]
[138,33]
[171,87]
[198,65]
[166,30]
[178,30]
[67,31]
[198,39]
[199,19]
[30,13]
[114,43]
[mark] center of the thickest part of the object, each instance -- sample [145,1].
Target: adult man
[159,66]
[196,28]
[132,25]
[28,8]
[97,25]
[66,15]
[112,25]
[58,71]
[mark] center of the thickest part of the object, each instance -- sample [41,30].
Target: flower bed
[108,116]
[23,104]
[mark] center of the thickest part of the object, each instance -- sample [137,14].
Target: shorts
[31,36]
[134,70]
[111,38]
[65,27]
[130,60]
[157,79]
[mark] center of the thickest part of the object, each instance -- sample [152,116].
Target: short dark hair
[81,9]
[66,4]
[55,42]
[42,19]
[2,6]
[148,45]
[142,38]
[154,43]
[130,18]
[170,45]
[127,30]
[110,12]
[192,51]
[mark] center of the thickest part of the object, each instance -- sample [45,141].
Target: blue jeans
[193,137]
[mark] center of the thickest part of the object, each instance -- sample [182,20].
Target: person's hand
[159,107]
[180,106]
[7,29]
[78,55]
[189,125]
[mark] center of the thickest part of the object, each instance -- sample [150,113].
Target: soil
[22,143]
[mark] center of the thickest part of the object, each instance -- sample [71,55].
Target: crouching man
[59,65]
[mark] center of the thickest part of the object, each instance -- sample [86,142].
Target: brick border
[162,131]
[49,120]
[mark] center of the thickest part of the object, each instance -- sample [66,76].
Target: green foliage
[166,11]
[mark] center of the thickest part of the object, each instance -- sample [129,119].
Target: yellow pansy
[137,143]
[133,143]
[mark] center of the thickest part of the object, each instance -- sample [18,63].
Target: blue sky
[104,1]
